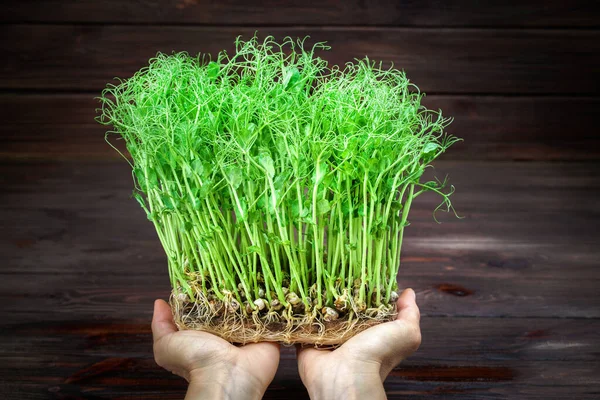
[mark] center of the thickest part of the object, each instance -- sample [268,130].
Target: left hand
[215,368]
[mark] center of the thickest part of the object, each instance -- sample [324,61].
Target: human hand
[215,368]
[357,369]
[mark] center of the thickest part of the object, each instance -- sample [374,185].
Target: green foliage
[271,164]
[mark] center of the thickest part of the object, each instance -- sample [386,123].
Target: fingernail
[413,294]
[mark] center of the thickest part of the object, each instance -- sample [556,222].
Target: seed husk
[241,290]
[293,298]
[183,297]
[276,305]
[234,306]
[341,303]
[260,303]
[329,314]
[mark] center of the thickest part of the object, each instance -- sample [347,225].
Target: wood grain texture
[488,340]
[554,13]
[75,57]
[488,357]
[99,256]
[62,127]
[80,376]
[508,294]
[83,266]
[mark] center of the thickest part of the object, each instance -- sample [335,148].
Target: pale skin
[216,369]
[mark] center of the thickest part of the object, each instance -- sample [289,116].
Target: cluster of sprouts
[279,186]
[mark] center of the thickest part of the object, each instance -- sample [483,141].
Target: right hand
[357,369]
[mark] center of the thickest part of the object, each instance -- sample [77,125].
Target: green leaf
[196,204]
[240,215]
[323,206]
[212,70]
[307,129]
[152,177]
[254,249]
[254,216]
[373,164]
[281,180]
[389,184]
[419,172]
[346,207]
[198,167]
[167,201]
[429,151]
[265,160]
[361,210]
[234,176]
[321,170]
[204,190]
[431,185]
[396,205]
[140,178]
[269,206]
[261,203]
[291,78]
[296,210]
[139,199]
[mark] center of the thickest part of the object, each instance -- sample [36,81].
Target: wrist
[223,385]
[351,385]
[372,390]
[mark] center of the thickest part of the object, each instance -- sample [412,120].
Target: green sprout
[279,187]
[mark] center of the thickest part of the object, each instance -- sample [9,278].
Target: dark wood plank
[487,340]
[61,127]
[521,128]
[478,358]
[81,376]
[437,60]
[293,390]
[524,249]
[553,13]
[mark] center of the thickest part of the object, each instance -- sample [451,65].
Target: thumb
[307,357]
[390,342]
[408,311]
[162,320]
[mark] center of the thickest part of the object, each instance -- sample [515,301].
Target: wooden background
[509,295]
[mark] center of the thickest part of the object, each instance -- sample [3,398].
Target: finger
[263,357]
[308,356]
[390,342]
[263,350]
[162,320]
[408,311]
